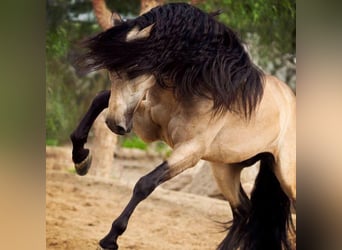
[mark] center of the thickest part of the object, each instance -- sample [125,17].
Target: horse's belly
[231,146]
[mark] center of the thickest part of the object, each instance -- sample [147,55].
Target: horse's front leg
[183,157]
[80,155]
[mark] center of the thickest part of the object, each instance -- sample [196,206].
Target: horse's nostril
[117,129]
[120,130]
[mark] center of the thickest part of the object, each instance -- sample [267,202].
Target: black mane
[187,49]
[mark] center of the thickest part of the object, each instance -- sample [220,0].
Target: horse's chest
[160,115]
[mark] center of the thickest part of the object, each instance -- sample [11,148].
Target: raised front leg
[185,156]
[80,155]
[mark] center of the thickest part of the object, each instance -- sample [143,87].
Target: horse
[180,76]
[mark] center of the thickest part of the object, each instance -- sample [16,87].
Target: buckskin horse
[179,75]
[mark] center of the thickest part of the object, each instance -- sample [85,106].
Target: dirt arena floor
[80,210]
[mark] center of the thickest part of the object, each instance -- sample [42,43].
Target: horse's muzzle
[118,129]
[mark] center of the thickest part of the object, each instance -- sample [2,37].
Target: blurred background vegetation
[267,26]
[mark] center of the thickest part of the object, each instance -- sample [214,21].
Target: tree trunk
[146,5]
[103,14]
[103,147]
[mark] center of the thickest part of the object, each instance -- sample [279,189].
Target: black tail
[265,221]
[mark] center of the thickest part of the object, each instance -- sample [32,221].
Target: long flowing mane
[187,50]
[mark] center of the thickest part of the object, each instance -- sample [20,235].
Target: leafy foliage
[273,21]
[68,91]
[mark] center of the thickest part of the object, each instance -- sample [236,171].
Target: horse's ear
[135,33]
[116,19]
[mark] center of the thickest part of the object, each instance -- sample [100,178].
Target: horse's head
[126,93]
[125,97]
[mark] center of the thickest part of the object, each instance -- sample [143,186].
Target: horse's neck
[154,114]
[159,95]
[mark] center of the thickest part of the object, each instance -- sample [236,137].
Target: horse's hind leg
[261,222]
[80,155]
[285,170]
[228,180]
[285,160]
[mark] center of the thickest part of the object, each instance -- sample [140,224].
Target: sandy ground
[80,210]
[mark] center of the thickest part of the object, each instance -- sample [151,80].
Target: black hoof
[101,248]
[83,167]
[110,246]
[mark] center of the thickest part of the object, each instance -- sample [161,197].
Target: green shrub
[134,142]
[51,142]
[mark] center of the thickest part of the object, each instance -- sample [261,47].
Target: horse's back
[240,139]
